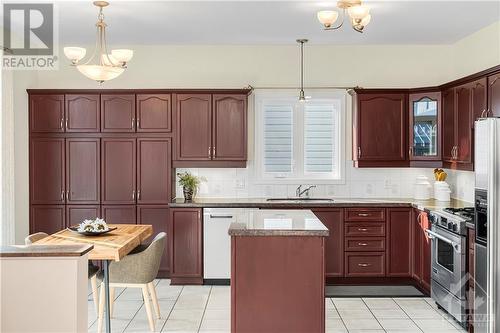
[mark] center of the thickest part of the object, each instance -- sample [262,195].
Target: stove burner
[466,212]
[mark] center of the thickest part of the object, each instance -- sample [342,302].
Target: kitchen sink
[296,199]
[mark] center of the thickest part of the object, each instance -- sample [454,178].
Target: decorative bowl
[91,233]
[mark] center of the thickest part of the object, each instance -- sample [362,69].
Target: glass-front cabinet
[425,126]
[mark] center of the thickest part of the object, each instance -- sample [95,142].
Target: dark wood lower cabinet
[334,243]
[158,217]
[76,214]
[399,232]
[119,214]
[47,218]
[186,246]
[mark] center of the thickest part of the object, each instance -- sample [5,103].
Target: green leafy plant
[189,181]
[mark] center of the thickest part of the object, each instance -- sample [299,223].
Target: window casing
[300,141]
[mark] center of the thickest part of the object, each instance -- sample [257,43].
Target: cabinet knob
[209,151]
[137,122]
[62,195]
[363,214]
[133,194]
[133,123]
[139,195]
[362,244]
[359,152]
[362,229]
[364,265]
[213,152]
[61,123]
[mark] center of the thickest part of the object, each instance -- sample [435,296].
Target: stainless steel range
[449,249]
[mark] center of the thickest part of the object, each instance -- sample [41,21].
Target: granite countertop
[278,223]
[34,250]
[337,202]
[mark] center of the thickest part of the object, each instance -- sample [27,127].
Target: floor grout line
[205,309]
[383,328]
[338,312]
[172,309]
[421,330]
[135,314]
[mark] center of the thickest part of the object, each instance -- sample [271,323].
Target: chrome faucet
[299,192]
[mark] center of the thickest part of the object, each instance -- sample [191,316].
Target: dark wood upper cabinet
[118,113]
[479,90]
[229,129]
[463,152]
[425,126]
[119,214]
[334,246]
[82,113]
[399,251]
[154,171]
[118,170]
[47,218]
[494,95]
[449,117]
[83,171]
[47,158]
[194,127]
[157,216]
[46,113]
[185,246]
[154,113]
[380,129]
[76,214]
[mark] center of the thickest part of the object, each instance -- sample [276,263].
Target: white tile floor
[204,309]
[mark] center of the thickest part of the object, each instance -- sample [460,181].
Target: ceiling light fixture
[358,13]
[101,66]
[302,95]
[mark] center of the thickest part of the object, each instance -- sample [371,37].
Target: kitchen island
[278,272]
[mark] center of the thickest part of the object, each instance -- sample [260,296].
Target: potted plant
[189,183]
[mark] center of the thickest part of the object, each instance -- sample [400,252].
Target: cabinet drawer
[365,214]
[364,264]
[365,229]
[364,244]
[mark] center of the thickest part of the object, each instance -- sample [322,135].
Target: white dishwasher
[217,242]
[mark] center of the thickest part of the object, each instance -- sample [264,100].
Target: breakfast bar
[278,272]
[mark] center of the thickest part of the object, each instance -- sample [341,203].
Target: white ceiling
[272,22]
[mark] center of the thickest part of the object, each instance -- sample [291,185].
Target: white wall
[208,66]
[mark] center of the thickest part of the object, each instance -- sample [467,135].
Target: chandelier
[101,66]
[359,15]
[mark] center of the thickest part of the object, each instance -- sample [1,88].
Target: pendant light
[302,96]
[101,66]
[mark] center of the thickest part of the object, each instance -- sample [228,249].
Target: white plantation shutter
[278,138]
[320,127]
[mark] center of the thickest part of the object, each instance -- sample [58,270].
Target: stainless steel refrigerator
[487,216]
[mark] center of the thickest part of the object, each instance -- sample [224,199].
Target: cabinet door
[47,113]
[118,113]
[382,125]
[194,127]
[494,95]
[157,216]
[426,252]
[154,171]
[154,113]
[334,246]
[479,101]
[76,214]
[118,171]
[119,214]
[82,113]
[463,123]
[416,246]
[229,130]
[83,171]
[186,249]
[48,219]
[449,138]
[47,171]
[425,126]
[399,251]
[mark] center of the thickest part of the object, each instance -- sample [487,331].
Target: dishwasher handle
[221,216]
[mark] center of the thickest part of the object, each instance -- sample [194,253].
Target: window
[300,141]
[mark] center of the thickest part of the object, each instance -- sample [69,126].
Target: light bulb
[327,17]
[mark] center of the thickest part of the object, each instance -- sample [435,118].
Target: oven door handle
[432,235]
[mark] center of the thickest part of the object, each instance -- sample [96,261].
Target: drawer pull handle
[362,229]
[362,244]
[364,265]
[363,214]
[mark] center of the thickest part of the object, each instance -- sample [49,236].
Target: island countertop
[279,223]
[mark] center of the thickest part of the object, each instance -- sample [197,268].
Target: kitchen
[384,152]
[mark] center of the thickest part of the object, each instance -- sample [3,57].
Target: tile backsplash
[359,183]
